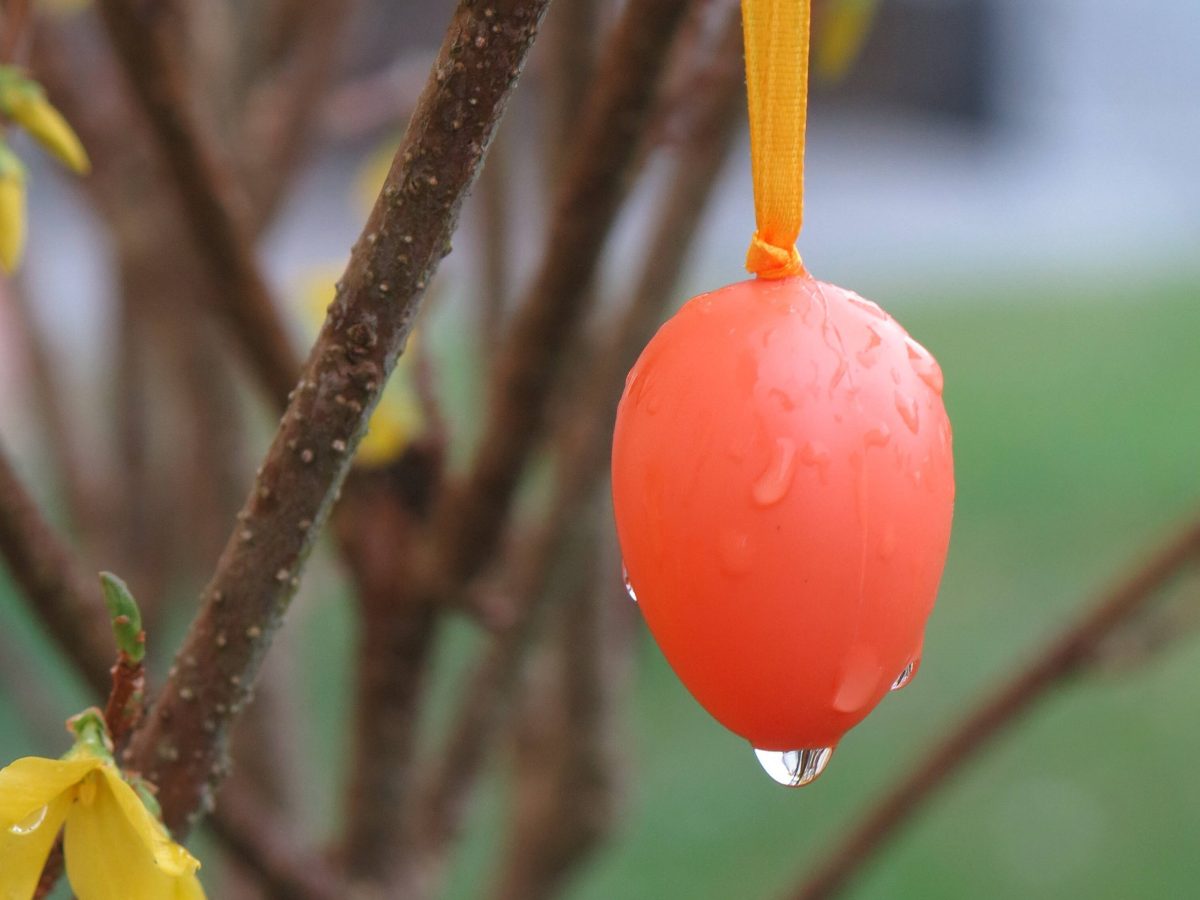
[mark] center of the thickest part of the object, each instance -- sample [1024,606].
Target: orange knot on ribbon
[771,261]
[777,50]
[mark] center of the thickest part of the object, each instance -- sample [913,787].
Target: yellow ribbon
[777,40]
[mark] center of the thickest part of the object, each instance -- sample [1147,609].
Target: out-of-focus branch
[13,26]
[565,795]
[180,746]
[495,248]
[282,113]
[1068,654]
[216,213]
[469,523]
[261,842]
[65,601]
[581,445]
[61,442]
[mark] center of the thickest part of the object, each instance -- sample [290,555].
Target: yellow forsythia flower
[23,101]
[398,416]
[12,209]
[115,848]
[844,26]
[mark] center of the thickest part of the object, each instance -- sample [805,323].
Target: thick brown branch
[180,746]
[143,38]
[1066,655]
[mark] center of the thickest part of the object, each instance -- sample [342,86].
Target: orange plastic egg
[783,487]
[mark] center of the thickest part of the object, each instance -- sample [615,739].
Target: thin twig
[16,21]
[470,521]
[61,442]
[581,445]
[565,761]
[1069,652]
[66,602]
[180,745]
[216,211]
[281,114]
[261,842]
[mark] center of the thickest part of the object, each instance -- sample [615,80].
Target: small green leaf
[91,734]
[126,617]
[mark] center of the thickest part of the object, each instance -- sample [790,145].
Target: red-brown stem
[124,709]
[1069,652]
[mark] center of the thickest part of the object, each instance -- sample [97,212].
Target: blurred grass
[1077,443]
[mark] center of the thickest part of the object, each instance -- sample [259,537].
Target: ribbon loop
[777,49]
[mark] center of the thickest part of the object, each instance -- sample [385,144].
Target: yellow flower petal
[31,783]
[37,115]
[116,850]
[12,221]
[25,845]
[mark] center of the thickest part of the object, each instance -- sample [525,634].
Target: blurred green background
[1077,426]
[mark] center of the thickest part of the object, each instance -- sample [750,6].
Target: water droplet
[782,398]
[30,823]
[878,437]
[628,584]
[869,355]
[907,407]
[794,768]
[773,484]
[906,676]
[925,366]
[815,454]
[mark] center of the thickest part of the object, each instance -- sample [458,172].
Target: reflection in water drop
[773,484]
[30,823]
[906,676]
[794,768]
[878,437]
[628,584]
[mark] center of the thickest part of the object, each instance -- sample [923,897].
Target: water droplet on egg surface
[794,768]
[773,484]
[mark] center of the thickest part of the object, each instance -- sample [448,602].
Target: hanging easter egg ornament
[782,472]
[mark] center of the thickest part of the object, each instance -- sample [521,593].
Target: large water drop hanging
[906,676]
[794,768]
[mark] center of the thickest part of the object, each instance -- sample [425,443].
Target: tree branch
[180,745]
[469,523]
[1070,652]
[66,602]
[581,454]
[215,210]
